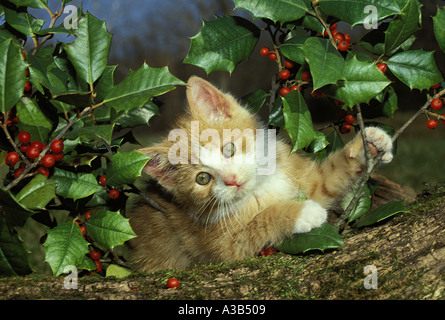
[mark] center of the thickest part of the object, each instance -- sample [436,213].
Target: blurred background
[158,32]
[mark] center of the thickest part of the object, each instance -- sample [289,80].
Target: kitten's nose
[231,181]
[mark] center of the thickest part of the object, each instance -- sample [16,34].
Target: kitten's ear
[159,167]
[206,101]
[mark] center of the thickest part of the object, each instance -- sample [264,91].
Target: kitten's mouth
[232,182]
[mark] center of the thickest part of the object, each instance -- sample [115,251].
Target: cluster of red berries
[436,104]
[343,40]
[95,254]
[113,193]
[32,151]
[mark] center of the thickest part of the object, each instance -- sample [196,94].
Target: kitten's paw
[379,141]
[312,216]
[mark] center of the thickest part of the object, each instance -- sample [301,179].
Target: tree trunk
[404,258]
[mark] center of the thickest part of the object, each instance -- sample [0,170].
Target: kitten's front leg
[275,223]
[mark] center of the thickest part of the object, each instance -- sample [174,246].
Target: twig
[327,28]
[149,200]
[54,18]
[372,163]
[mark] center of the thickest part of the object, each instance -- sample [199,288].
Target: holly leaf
[400,29]
[140,86]
[33,120]
[89,52]
[15,213]
[137,116]
[362,82]
[38,4]
[362,206]
[65,246]
[37,193]
[353,11]
[117,271]
[297,120]
[415,68]
[23,22]
[292,49]
[439,27]
[91,133]
[381,213]
[109,228]
[324,237]
[125,167]
[74,185]
[278,10]
[222,43]
[325,62]
[12,74]
[13,254]
[255,100]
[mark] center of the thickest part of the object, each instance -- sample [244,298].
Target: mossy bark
[407,251]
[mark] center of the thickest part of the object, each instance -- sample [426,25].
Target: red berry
[382,67]
[345,128]
[172,283]
[11,159]
[24,147]
[295,87]
[43,171]
[343,45]
[83,230]
[98,265]
[270,251]
[306,76]
[436,104]
[436,86]
[28,87]
[350,119]
[88,215]
[284,91]
[95,255]
[431,124]
[18,172]
[334,26]
[114,194]
[288,64]
[57,146]
[48,160]
[24,55]
[24,137]
[284,74]
[102,180]
[272,56]
[33,152]
[339,37]
[58,156]
[37,144]
[347,37]
[264,51]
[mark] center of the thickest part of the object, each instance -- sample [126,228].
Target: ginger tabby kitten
[223,200]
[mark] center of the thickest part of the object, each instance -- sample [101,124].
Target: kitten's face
[220,169]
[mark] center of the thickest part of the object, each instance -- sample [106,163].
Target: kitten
[218,206]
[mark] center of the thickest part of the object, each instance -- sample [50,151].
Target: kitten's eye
[203,178]
[228,150]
